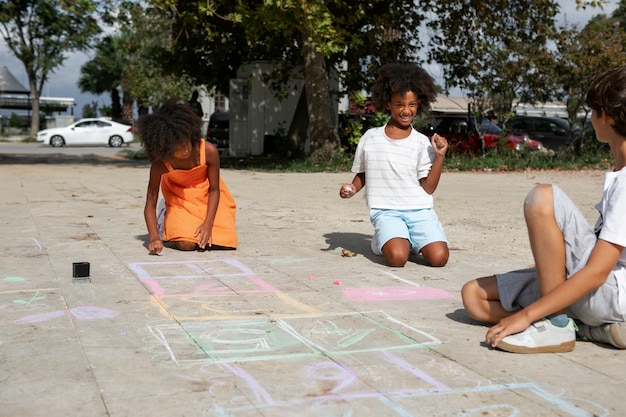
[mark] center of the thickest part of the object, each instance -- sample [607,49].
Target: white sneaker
[611,333]
[541,337]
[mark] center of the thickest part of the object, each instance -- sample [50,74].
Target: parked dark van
[217,130]
[553,132]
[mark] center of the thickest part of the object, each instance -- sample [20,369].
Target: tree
[90,109]
[103,73]
[128,64]
[580,56]
[309,38]
[493,49]
[41,33]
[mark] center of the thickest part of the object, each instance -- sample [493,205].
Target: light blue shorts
[420,227]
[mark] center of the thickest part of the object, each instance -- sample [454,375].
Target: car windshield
[487,126]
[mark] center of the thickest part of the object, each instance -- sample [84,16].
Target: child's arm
[204,232]
[348,190]
[155,244]
[601,261]
[440,145]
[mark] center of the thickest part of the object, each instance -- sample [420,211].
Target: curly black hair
[607,93]
[172,123]
[400,79]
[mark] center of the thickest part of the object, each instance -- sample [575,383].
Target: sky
[64,81]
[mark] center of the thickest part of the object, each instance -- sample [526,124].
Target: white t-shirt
[611,224]
[393,168]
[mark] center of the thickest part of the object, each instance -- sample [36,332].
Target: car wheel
[116,141]
[57,141]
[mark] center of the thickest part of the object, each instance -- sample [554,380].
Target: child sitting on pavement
[402,168]
[199,210]
[580,272]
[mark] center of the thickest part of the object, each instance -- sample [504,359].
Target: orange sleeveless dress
[186,197]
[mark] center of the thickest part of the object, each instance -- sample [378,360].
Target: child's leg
[185,245]
[427,234]
[396,251]
[546,238]
[482,300]
[436,253]
[390,231]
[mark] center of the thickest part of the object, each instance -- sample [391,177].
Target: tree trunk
[34,117]
[324,135]
[127,110]
[298,130]
[116,106]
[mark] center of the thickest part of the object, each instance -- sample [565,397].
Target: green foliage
[132,60]
[497,48]
[581,54]
[41,33]
[105,111]
[352,131]
[90,109]
[501,159]
[504,159]
[15,120]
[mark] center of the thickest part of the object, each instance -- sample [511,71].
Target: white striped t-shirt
[393,168]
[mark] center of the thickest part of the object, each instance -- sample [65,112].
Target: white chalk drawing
[25,300]
[342,364]
[253,340]
[327,387]
[210,290]
[20,246]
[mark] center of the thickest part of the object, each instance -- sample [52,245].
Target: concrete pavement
[283,326]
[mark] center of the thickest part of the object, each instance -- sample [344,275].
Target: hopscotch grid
[388,397]
[140,271]
[414,344]
[314,349]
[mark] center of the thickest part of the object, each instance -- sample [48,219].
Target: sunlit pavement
[283,326]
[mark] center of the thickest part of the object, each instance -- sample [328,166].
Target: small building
[256,114]
[14,96]
[450,105]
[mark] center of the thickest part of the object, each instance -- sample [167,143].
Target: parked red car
[464,135]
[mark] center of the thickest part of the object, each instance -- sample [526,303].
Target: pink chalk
[395,294]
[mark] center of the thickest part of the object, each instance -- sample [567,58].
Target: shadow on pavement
[355,242]
[65,159]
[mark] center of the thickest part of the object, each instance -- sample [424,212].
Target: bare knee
[436,253]
[481,300]
[186,246]
[539,202]
[471,301]
[396,258]
[396,252]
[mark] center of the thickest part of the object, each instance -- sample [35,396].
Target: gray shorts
[518,289]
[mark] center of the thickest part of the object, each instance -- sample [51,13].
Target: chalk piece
[337,282]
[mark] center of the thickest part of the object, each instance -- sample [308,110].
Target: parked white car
[88,132]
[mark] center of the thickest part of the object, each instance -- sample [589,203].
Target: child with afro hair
[402,168]
[199,211]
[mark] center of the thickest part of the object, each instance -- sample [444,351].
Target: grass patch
[502,160]
[340,163]
[507,160]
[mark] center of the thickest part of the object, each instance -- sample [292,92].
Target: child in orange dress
[199,209]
